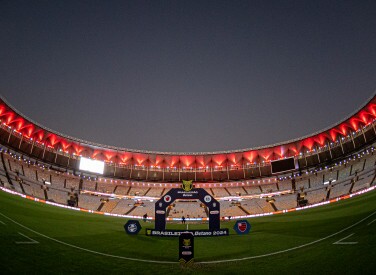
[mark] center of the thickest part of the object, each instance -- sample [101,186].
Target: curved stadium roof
[336,135]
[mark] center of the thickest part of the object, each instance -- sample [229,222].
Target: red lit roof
[43,135]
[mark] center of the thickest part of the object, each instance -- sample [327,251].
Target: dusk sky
[187,76]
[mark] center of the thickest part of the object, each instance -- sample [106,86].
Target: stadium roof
[347,128]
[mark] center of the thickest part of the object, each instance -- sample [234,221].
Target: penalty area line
[85,249]
[31,241]
[341,240]
[289,249]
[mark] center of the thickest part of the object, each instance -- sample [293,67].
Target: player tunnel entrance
[195,194]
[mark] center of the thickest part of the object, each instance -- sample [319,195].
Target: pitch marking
[371,222]
[31,241]
[2,222]
[341,240]
[209,262]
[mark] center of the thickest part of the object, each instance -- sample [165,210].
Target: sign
[194,194]
[196,233]
[186,248]
[242,227]
[132,227]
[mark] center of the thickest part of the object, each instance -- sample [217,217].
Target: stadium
[309,201]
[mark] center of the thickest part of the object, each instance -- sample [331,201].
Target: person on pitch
[183,220]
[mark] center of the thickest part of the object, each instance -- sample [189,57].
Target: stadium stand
[220,192]
[316,195]
[340,189]
[144,208]
[188,209]
[89,202]
[317,185]
[285,202]
[122,190]
[302,183]
[110,205]
[236,191]
[285,185]
[89,185]
[253,189]
[344,173]
[58,180]
[123,207]
[57,196]
[269,188]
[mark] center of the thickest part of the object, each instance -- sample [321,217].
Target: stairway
[228,191]
[328,194]
[273,205]
[100,206]
[133,208]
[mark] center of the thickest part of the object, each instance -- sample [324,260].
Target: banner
[186,248]
[196,233]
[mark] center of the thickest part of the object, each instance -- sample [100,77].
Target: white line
[209,262]
[2,222]
[31,241]
[371,222]
[289,249]
[340,241]
[84,249]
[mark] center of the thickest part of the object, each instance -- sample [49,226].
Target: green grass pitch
[338,238]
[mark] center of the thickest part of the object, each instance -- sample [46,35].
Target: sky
[187,76]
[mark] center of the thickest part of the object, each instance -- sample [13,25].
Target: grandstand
[132,181]
[247,199]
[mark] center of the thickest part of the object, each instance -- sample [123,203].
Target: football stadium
[304,205]
[187,137]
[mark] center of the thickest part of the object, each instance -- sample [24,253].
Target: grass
[268,235]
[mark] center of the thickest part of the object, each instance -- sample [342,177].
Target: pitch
[336,238]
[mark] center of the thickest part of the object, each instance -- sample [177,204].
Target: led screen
[91,165]
[283,165]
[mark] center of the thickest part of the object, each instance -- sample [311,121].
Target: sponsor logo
[160,212]
[187,185]
[186,253]
[132,228]
[186,242]
[214,212]
[207,198]
[242,226]
[167,198]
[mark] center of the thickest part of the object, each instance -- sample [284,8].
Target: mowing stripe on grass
[208,262]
